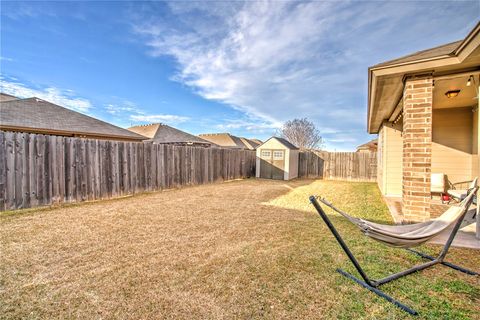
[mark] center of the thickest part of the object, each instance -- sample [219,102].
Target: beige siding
[475,145]
[393,151]
[291,158]
[380,162]
[452,143]
[293,164]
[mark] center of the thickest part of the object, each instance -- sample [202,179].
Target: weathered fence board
[350,166]
[41,169]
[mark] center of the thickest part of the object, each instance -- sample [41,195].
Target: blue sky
[239,67]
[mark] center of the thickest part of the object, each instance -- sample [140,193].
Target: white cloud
[129,110]
[280,60]
[118,110]
[62,97]
[164,118]
[254,126]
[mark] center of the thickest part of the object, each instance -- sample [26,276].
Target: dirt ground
[241,249]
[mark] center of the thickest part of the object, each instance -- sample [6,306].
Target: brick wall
[417,148]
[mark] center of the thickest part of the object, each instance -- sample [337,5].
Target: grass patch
[245,249]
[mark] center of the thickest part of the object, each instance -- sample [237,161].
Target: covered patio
[424,107]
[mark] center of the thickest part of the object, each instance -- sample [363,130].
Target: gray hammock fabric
[411,235]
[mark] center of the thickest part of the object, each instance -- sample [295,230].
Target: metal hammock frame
[373,285]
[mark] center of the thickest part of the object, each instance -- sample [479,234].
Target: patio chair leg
[378,292]
[448,264]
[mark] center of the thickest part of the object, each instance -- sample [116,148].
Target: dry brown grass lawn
[243,249]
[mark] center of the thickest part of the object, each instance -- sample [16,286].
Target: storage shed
[277,159]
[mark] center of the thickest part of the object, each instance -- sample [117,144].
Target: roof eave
[402,69]
[459,54]
[67,133]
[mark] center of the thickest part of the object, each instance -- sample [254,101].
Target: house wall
[475,144]
[393,149]
[452,143]
[380,160]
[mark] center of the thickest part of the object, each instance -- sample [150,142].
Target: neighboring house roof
[40,116]
[370,145]
[386,80]
[287,144]
[223,140]
[227,140]
[251,144]
[6,97]
[162,133]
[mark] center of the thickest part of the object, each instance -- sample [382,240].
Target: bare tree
[302,133]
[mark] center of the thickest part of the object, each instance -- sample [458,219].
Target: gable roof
[227,140]
[257,141]
[250,144]
[372,144]
[287,144]
[37,115]
[223,139]
[445,49]
[6,97]
[162,133]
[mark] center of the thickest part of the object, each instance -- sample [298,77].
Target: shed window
[266,154]
[278,155]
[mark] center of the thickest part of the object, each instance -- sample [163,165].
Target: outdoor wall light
[469,82]
[452,93]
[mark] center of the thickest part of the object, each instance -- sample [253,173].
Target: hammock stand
[373,285]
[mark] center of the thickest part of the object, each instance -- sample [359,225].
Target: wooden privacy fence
[350,166]
[40,170]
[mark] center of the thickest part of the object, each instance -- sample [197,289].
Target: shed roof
[37,115]
[162,133]
[287,144]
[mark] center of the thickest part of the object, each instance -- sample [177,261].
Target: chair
[457,193]
[438,184]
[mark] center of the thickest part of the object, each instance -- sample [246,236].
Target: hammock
[407,236]
[401,236]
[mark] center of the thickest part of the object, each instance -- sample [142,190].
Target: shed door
[272,164]
[278,164]
[265,164]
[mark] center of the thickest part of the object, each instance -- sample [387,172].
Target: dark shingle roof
[250,144]
[7,97]
[227,140]
[439,51]
[283,141]
[286,143]
[38,115]
[162,133]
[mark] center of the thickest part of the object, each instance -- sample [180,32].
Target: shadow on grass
[459,293]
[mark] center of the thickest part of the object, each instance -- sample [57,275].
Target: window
[278,155]
[266,154]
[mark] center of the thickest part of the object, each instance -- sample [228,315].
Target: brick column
[417,148]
